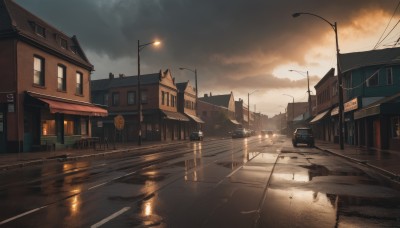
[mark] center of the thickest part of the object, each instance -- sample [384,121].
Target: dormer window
[63,43]
[39,30]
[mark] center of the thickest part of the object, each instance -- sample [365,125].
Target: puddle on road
[329,210]
[318,170]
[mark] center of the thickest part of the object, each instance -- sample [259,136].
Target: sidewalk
[385,161]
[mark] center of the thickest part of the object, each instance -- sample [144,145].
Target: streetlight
[139,48]
[308,86]
[334,27]
[292,105]
[195,81]
[248,102]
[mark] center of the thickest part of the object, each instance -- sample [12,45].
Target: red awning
[74,109]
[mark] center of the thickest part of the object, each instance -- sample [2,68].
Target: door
[3,130]
[377,133]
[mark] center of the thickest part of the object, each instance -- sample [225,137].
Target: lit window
[48,127]
[79,84]
[38,71]
[84,127]
[68,127]
[61,78]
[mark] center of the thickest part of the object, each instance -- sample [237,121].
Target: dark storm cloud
[228,41]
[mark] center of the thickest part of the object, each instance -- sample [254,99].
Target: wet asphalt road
[253,182]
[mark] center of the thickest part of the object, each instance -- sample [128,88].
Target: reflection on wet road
[251,182]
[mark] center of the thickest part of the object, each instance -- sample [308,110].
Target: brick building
[159,96]
[44,89]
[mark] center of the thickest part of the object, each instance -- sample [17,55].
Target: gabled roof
[351,61]
[126,81]
[16,21]
[219,100]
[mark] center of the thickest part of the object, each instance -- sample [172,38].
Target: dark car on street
[240,133]
[303,135]
[196,135]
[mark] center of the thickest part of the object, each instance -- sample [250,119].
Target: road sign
[119,122]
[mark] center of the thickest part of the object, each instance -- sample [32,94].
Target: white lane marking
[21,215]
[96,186]
[115,178]
[234,171]
[116,214]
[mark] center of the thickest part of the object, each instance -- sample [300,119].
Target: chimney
[210,94]
[111,75]
[205,95]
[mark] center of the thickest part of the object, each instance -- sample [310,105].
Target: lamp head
[296,14]
[156,43]
[181,68]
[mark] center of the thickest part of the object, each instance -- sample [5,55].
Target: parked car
[196,135]
[240,133]
[303,135]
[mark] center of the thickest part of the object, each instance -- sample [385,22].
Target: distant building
[44,89]
[159,96]
[218,112]
[187,106]
[324,124]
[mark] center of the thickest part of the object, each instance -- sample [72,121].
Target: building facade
[325,125]
[371,82]
[160,119]
[218,113]
[187,104]
[45,91]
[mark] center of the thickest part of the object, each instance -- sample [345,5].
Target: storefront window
[48,127]
[395,126]
[68,127]
[83,127]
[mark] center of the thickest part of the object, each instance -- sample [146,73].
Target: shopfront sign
[351,105]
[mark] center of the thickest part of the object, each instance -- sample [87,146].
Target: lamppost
[308,86]
[339,73]
[248,102]
[195,81]
[139,48]
[292,110]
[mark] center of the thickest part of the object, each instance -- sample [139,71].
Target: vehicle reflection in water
[245,151]
[192,164]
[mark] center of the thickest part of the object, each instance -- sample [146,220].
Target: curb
[392,176]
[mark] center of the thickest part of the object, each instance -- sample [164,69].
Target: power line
[379,40]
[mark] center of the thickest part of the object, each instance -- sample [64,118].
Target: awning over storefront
[234,122]
[319,117]
[174,115]
[378,109]
[195,118]
[60,105]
